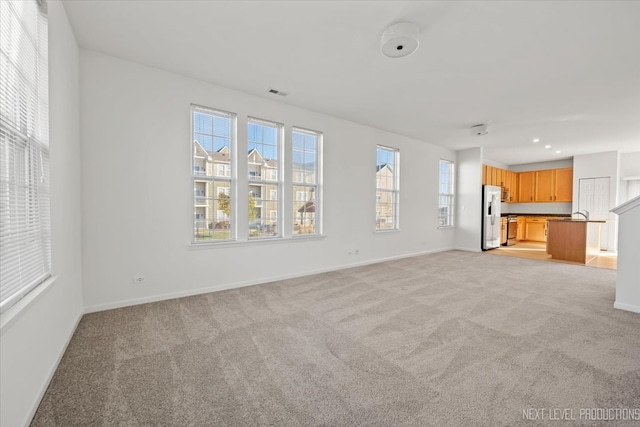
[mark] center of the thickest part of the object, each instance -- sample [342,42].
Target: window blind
[25,229]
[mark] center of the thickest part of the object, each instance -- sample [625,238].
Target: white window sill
[254,242]
[13,313]
[393,230]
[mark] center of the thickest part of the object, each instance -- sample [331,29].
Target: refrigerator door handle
[493,217]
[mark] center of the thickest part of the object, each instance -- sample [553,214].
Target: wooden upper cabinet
[564,185]
[554,185]
[544,186]
[526,182]
[495,176]
[511,185]
[513,191]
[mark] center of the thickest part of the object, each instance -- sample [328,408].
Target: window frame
[214,178]
[395,190]
[317,186]
[450,222]
[265,180]
[26,249]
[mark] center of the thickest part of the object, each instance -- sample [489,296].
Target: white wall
[34,339]
[599,165]
[628,278]
[555,164]
[469,199]
[537,208]
[629,167]
[137,190]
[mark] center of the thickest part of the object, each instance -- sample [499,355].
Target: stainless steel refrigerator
[490,216]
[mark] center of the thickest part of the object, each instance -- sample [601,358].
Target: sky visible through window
[385,157]
[445,181]
[264,138]
[304,155]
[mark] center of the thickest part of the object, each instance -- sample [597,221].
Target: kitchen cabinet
[536,229]
[526,184]
[554,185]
[544,186]
[521,228]
[504,178]
[564,185]
[511,184]
[577,241]
[495,176]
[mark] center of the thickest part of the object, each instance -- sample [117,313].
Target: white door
[594,197]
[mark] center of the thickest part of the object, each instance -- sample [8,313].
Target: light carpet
[448,339]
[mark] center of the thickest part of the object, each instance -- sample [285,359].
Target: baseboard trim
[626,307]
[227,286]
[468,249]
[53,370]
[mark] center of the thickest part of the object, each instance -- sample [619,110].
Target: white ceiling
[567,72]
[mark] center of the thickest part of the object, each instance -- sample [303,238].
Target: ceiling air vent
[277,92]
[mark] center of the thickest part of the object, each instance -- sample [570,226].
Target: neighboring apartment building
[212,210]
[385,204]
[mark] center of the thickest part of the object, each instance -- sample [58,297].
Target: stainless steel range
[512,230]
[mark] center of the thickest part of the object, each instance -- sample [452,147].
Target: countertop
[536,214]
[578,220]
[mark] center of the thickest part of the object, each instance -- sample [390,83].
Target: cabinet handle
[554,197]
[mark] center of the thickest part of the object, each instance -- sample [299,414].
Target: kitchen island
[573,239]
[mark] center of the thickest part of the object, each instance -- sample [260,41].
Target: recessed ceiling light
[536,140]
[558,151]
[547,146]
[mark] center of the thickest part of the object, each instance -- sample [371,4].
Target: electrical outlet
[138,279]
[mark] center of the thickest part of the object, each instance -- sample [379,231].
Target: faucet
[585,215]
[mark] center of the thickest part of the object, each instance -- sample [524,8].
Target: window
[264,140]
[212,155]
[387,191]
[25,227]
[446,190]
[224,169]
[306,181]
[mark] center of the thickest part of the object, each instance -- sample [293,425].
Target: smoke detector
[400,39]
[479,130]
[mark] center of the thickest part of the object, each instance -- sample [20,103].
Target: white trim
[236,243]
[42,392]
[386,230]
[468,249]
[14,312]
[626,206]
[627,307]
[223,287]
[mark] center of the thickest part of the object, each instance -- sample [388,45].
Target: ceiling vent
[277,92]
[479,130]
[400,39]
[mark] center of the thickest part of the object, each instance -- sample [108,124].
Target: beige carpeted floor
[449,339]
